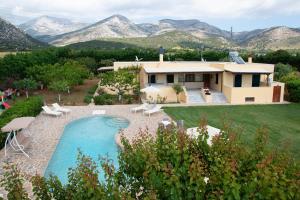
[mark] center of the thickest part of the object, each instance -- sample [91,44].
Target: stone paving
[45,133]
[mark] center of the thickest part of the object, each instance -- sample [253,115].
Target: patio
[46,132]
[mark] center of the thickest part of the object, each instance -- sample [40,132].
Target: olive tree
[121,81]
[27,85]
[59,87]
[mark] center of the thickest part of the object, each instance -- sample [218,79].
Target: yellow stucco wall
[261,94]
[213,84]
[165,91]
[227,92]
[226,80]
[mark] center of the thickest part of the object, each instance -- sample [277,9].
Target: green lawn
[282,121]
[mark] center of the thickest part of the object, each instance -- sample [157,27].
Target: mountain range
[13,39]
[45,27]
[120,31]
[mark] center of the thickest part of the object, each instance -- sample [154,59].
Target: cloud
[150,10]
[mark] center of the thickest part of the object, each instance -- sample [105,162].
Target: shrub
[90,93]
[29,107]
[178,89]
[105,99]
[13,183]
[293,87]
[128,99]
[289,77]
[282,70]
[175,166]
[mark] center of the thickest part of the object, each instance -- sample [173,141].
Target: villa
[235,82]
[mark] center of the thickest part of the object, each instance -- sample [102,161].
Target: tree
[121,81]
[39,74]
[178,89]
[26,84]
[290,76]
[282,70]
[90,63]
[59,87]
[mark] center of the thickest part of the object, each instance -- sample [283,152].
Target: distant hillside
[174,39]
[101,44]
[44,26]
[116,26]
[12,38]
[274,38]
[119,27]
[194,27]
[119,31]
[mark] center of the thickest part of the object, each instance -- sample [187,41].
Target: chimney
[161,54]
[250,59]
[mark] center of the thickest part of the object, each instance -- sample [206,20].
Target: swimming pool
[94,136]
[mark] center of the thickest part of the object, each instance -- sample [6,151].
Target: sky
[242,15]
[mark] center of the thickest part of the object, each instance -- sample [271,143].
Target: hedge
[293,87]
[105,99]
[29,107]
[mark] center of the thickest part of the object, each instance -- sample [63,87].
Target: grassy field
[282,121]
[2,54]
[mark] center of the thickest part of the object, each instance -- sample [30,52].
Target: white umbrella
[150,89]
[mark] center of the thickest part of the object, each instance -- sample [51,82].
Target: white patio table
[12,128]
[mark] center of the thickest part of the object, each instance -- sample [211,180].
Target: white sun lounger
[99,112]
[48,111]
[153,110]
[142,107]
[58,108]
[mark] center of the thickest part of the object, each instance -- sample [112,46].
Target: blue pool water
[94,136]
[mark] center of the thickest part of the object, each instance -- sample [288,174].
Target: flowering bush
[175,166]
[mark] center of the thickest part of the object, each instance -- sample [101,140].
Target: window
[255,80]
[152,78]
[170,78]
[217,79]
[199,78]
[190,78]
[249,99]
[238,80]
[181,78]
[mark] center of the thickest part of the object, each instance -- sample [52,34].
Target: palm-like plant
[178,89]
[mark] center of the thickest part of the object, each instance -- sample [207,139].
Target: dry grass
[2,54]
[75,98]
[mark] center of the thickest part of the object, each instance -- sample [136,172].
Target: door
[276,93]
[152,79]
[170,78]
[206,79]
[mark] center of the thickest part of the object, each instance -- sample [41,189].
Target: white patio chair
[58,108]
[48,111]
[153,110]
[142,107]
